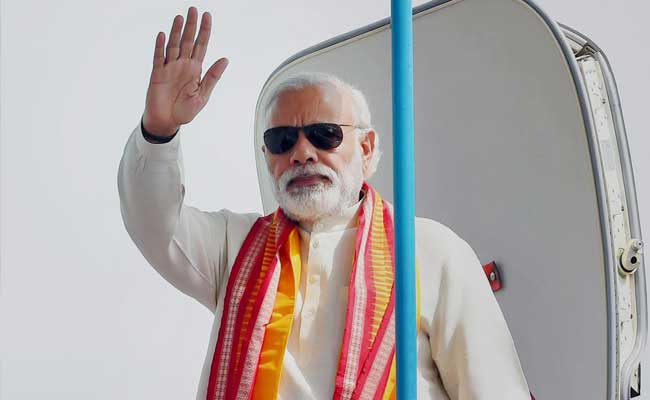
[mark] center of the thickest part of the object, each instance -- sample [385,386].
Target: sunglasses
[323,135]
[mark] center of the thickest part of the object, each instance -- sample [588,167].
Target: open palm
[176,92]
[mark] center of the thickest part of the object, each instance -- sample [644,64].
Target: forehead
[317,103]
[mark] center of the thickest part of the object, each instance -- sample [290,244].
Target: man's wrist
[150,137]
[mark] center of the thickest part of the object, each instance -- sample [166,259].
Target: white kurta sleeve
[184,244]
[470,340]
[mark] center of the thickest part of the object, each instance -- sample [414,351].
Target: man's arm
[184,244]
[471,344]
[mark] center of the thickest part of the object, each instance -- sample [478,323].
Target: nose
[303,151]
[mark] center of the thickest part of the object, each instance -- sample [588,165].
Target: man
[303,298]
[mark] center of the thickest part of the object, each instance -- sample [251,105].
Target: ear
[264,149]
[367,149]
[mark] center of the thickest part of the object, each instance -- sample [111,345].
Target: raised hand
[176,91]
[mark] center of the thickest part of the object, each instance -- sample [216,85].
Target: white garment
[465,350]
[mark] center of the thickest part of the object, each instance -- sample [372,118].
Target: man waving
[303,298]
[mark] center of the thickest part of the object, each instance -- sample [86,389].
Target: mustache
[306,170]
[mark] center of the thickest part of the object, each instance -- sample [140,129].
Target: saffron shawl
[259,310]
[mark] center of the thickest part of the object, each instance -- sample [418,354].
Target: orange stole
[279,327]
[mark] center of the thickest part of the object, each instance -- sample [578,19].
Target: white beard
[311,202]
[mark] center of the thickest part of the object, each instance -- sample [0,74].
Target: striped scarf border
[225,375]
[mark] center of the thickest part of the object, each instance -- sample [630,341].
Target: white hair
[310,79]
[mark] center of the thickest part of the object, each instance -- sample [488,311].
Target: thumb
[212,76]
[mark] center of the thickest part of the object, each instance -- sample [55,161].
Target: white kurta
[465,350]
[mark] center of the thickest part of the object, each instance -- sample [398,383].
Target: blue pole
[404,194]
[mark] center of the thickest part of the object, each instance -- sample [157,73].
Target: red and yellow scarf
[259,310]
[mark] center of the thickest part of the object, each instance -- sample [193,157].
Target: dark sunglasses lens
[280,139]
[324,136]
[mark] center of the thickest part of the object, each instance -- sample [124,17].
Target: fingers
[159,52]
[212,76]
[174,39]
[201,44]
[188,33]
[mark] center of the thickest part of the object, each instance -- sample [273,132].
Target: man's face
[311,182]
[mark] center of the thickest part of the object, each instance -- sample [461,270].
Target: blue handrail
[404,196]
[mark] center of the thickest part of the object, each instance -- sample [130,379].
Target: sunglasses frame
[308,135]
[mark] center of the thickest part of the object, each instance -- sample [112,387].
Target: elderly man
[303,298]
